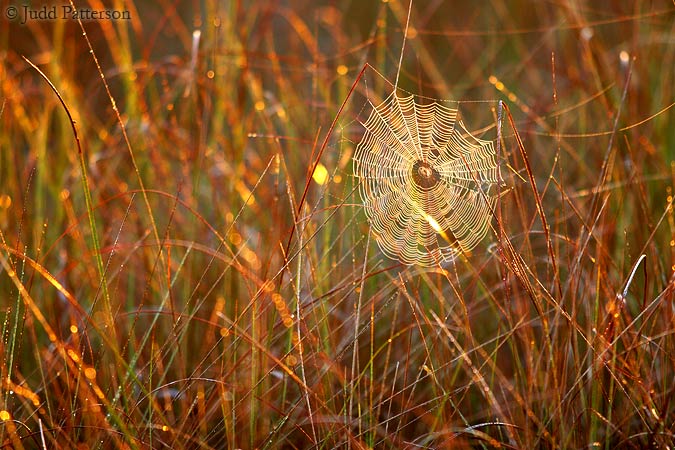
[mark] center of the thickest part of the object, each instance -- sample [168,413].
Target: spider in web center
[425,175]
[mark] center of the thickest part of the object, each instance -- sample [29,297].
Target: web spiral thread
[426,183]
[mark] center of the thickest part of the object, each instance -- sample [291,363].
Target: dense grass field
[185,261]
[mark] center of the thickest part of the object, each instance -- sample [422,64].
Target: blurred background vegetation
[182,277]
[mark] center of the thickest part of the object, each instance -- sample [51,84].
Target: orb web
[427,184]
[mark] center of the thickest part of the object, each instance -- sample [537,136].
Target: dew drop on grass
[587,33]
[624,57]
[320,175]
[655,413]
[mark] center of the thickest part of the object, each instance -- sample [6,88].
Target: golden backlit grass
[195,269]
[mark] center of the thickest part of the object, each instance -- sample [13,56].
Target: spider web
[425,181]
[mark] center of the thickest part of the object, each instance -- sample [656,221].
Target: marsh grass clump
[200,271]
